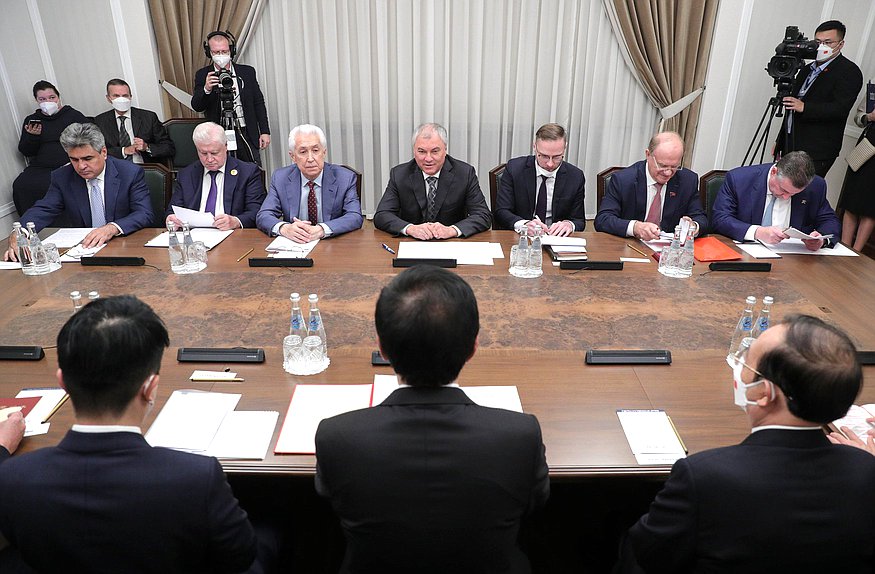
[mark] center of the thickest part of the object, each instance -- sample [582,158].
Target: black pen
[389,249]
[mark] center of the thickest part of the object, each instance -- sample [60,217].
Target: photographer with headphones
[229,95]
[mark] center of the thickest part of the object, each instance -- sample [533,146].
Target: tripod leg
[766,114]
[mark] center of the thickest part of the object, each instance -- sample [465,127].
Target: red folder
[712,249]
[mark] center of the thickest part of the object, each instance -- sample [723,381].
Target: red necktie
[312,211]
[655,213]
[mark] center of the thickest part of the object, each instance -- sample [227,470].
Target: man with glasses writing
[541,190]
[653,195]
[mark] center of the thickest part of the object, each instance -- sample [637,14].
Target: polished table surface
[534,333]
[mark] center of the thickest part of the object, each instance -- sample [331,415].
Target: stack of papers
[210,237]
[855,419]
[793,246]
[464,252]
[565,248]
[311,404]
[194,218]
[652,436]
[68,237]
[285,247]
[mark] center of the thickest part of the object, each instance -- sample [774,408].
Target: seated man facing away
[557,207]
[428,481]
[785,499]
[103,500]
[93,190]
[434,195]
[217,183]
[653,195]
[759,202]
[310,199]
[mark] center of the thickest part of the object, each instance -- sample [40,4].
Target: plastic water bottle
[520,262]
[76,298]
[762,322]
[314,324]
[176,251]
[37,252]
[686,257]
[668,259]
[296,322]
[744,328]
[188,249]
[22,242]
[536,254]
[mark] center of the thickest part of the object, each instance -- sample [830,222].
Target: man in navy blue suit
[311,199]
[541,190]
[653,195]
[94,190]
[104,499]
[228,188]
[759,202]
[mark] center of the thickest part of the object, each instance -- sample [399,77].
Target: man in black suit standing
[434,195]
[428,481]
[557,206]
[785,499]
[823,95]
[245,102]
[104,499]
[132,133]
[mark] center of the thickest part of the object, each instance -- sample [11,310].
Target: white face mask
[824,53]
[740,387]
[121,104]
[49,108]
[221,60]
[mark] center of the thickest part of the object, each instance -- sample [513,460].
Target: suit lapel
[641,192]
[80,186]
[295,194]
[798,206]
[197,184]
[759,193]
[670,202]
[110,190]
[329,191]
[230,184]
[558,187]
[445,182]
[531,184]
[417,184]
[137,123]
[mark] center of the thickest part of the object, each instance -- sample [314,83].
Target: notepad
[651,436]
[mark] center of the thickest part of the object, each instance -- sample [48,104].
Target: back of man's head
[427,321]
[798,167]
[816,368]
[106,352]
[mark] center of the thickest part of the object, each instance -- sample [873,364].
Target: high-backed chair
[601,182]
[358,180]
[709,185]
[159,179]
[494,183]
[180,130]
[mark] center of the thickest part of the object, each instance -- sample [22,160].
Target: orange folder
[712,249]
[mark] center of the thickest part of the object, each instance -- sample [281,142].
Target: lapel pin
[804,201]
[233,172]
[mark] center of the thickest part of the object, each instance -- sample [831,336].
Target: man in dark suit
[428,481]
[557,207]
[653,195]
[103,499]
[96,191]
[132,133]
[433,196]
[823,95]
[310,199]
[228,188]
[785,499]
[245,101]
[758,202]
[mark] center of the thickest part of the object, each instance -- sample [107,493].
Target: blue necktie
[210,207]
[767,215]
[98,218]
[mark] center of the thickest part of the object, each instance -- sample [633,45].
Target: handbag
[862,152]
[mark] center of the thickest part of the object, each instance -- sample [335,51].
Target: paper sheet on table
[68,236]
[499,397]
[563,241]
[193,218]
[855,419]
[796,234]
[651,436]
[50,398]
[244,435]
[10,265]
[210,236]
[796,246]
[758,250]
[285,247]
[636,259]
[214,375]
[190,419]
[78,252]
[312,403]
[464,252]
[384,385]
[657,245]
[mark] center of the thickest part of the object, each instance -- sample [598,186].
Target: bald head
[664,154]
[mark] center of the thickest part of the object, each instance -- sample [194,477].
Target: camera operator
[230,91]
[823,95]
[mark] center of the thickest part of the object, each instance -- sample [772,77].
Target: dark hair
[106,352]
[44,85]
[117,82]
[832,25]
[815,367]
[798,167]
[428,321]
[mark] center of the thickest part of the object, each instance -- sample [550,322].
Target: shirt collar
[317,180]
[781,427]
[100,177]
[99,429]
[425,176]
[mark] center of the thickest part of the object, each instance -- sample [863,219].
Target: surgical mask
[221,60]
[121,104]
[49,108]
[740,387]
[824,53]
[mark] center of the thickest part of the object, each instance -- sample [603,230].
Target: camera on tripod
[788,57]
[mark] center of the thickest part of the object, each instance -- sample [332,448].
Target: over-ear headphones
[232,43]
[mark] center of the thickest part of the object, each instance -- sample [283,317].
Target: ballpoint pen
[389,249]
[636,250]
[239,259]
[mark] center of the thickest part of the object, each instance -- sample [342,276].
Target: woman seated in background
[40,143]
[858,194]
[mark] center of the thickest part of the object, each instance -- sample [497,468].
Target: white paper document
[33,422]
[244,435]
[657,245]
[563,241]
[285,247]
[10,265]
[210,236]
[193,218]
[795,246]
[68,236]
[312,403]
[190,420]
[384,385]
[464,252]
[74,254]
[635,259]
[855,419]
[796,234]
[651,436]
[498,397]
[212,375]
[758,250]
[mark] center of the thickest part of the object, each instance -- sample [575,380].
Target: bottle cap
[93,295]
[75,295]
[294,296]
[313,297]
[751,299]
[768,300]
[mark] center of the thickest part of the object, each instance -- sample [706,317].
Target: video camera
[788,57]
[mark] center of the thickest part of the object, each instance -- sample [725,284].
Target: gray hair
[307,130]
[207,133]
[77,135]
[430,128]
[798,167]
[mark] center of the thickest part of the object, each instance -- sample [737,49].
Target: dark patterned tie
[124,140]
[541,205]
[312,206]
[432,192]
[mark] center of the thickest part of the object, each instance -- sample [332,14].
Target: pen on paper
[239,259]
[387,248]
[57,406]
[636,250]
[677,434]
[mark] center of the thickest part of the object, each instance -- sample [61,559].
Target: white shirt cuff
[630,229]
[751,234]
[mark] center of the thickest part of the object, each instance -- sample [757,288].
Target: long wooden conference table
[534,334]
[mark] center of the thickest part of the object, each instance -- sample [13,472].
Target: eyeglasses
[663,167]
[829,43]
[550,158]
